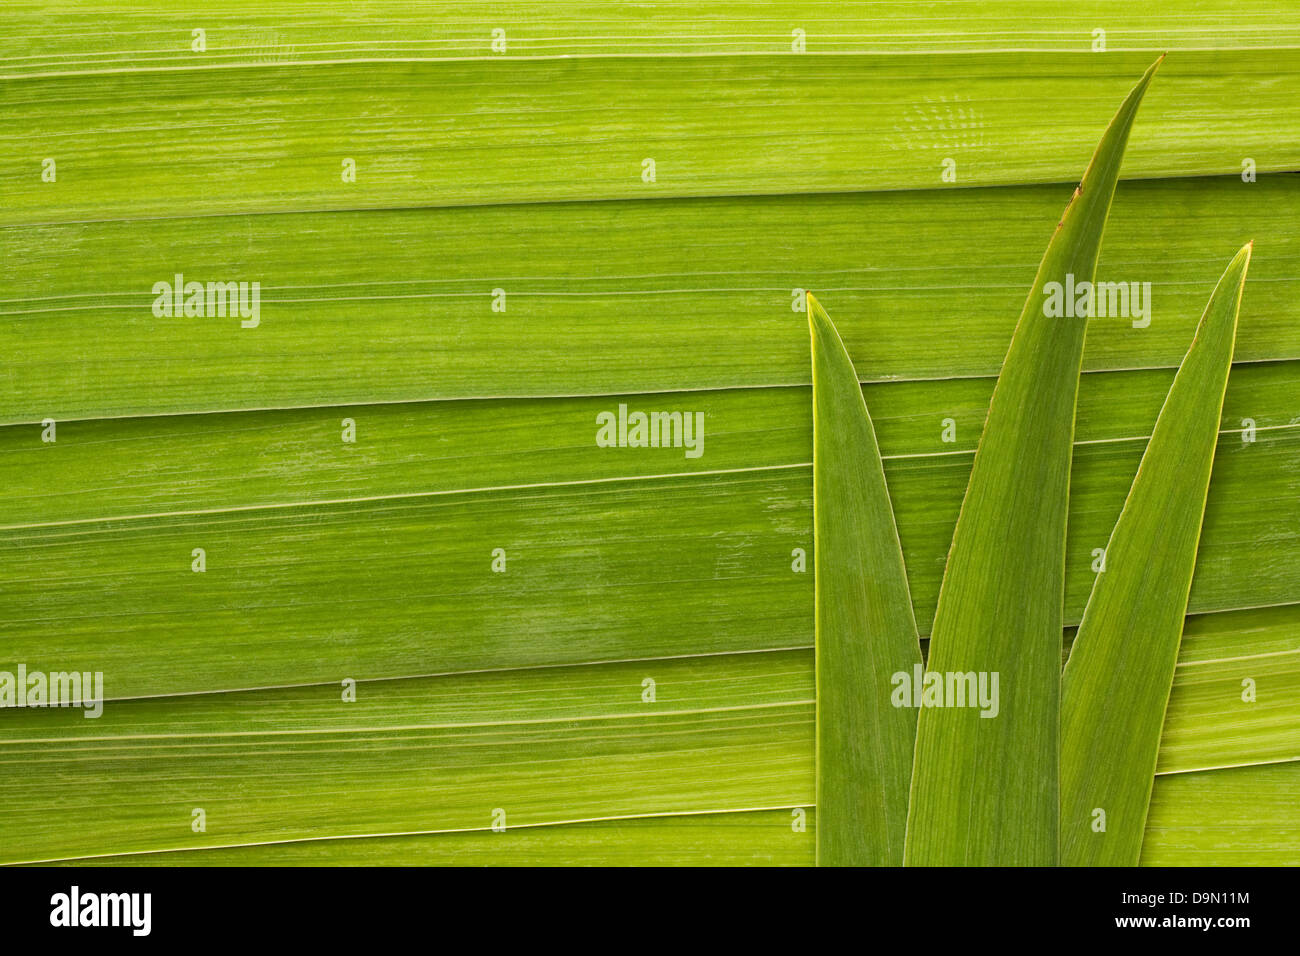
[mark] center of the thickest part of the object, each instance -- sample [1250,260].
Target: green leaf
[371,560]
[865,631]
[984,792]
[1245,816]
[377,583]
[435,754]
[727,732]
[454,132]
[75,35]
[1116,683]
[1241,816]
[549,745]
[927,285]
[1234,700]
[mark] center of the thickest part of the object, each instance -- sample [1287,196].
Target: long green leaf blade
[450,132]
[1128,640]
[87,36]
[865,629]
[927,286]
[727,732]
[985,791]
[1246,816]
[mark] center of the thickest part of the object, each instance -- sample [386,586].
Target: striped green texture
[1212,721]
[66,37]
[550,745]
[1245,816]
[113,468]
[292,592]
[1241,817]
[447,133]
[361,307]
[521,171]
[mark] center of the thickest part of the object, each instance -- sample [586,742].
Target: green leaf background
[865,628]
[523,691]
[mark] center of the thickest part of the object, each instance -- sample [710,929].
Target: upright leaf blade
[1116,684]
[984,791]
[866,632]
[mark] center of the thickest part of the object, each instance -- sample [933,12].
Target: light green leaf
[985,791]
[1236,693]
[1242,816]
[726,732]
[865,631]
[437,754]
[454,132]
[390,582]
[371,560]
[1115,687]
[76,35]
[1246,816]
[927,286]
[782,837]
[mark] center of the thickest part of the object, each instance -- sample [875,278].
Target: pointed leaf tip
[1127,646]
[865,630]
[985,792]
